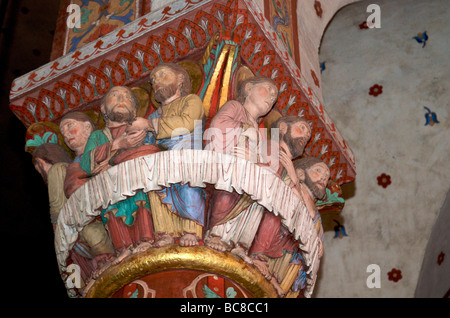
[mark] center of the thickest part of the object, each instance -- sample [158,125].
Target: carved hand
[140,123]
[289,166]
[245,153]
[320,249]
[307,199]
[131,139]
[103,166]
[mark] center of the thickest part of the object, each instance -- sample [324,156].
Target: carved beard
[296,145]
[316,191]
[165,92]
[120,117]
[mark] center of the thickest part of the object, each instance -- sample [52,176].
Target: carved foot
[280,291]
[240,252]
[165,240]
[216,243]
[124,253]
[102,266]
[188,240]
[142,247]
[262,267]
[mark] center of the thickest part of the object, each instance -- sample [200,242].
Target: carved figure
[76,127]
[94,243]
[234,130]
[273,240]
[314,174]
[179,210]
[119,108]
[51,161]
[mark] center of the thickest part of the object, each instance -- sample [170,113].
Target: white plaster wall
[434,276]
[389,226]
[310,30]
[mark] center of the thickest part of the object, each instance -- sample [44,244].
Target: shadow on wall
[434,277]
[26,42]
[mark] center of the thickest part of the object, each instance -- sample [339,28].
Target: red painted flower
[318,8]
[395,275]
[166,10]
[376,90]
[363,25]
[441,258]
[384,180]
[315,79]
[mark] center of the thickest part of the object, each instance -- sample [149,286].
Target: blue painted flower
[322,66]
[421,38]
[339,230]
[430,117]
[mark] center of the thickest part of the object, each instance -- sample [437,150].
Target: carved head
[314,173]
[295,133]
[169,81]
[119,105]
[76,128]
[46,155]
[258,93]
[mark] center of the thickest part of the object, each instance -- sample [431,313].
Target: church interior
[386,90]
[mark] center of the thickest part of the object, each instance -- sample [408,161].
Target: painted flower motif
[384,180]
[441,258]
[318,8]
[363,25]
[421,38]
[376,90]
[395,275]
[430,117]
[339,230]
[166,10]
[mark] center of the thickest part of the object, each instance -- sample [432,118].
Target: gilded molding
[176,257]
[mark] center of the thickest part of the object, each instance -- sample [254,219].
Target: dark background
[29,267]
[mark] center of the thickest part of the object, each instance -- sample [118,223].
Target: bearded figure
[179,210]
[129,221]
[274,244]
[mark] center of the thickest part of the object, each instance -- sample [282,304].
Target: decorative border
[126,56]
[90,51]
[176,257]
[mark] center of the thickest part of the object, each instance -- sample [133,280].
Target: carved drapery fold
[198,168]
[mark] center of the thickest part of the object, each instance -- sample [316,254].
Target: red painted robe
[272,238]
[226,126]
